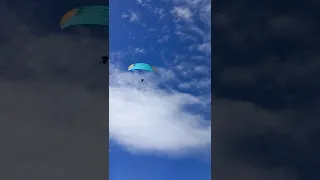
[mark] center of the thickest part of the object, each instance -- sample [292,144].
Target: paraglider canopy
[141,67]
[86,15]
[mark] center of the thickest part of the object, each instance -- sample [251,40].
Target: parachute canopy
[86,15]
[141,67]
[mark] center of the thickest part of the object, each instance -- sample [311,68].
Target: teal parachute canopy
[141,67]
[86,15]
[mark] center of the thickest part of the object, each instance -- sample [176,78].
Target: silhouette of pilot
[105,59]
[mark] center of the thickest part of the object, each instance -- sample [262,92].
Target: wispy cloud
[203,83]
[163,39]
[182,13]
[143,2]
[117,55]
[206,48]
[137,50]
[184,36]
[131,16]
[161,12]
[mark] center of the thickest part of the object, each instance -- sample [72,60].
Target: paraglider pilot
[104,59]
[141,80]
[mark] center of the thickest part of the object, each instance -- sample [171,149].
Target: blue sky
[160,129]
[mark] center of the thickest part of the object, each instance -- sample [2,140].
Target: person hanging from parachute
[87,15]
[105,59]
[141,67]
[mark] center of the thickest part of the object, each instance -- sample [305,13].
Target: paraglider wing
[141,67]
[86,15]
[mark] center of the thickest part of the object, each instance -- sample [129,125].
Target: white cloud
[199,10]
[188,69]
[182,66]
[143,1]
[165,29]
[206,48]
[131,16]
[163,39]
[202,69]
[131,51]
[184,36]
[166,74]
[159,11]
[205,14]
[199,58]
[198,30]
[145,4]
[185,85]
[183,13]
[203,83]
[145,118]
[151,29]
[138,50]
